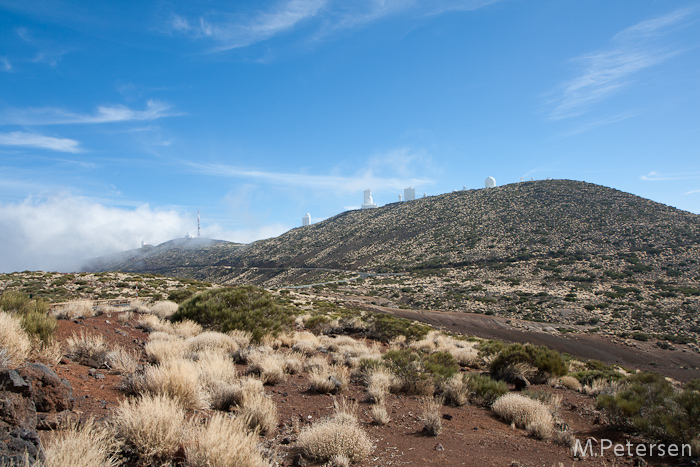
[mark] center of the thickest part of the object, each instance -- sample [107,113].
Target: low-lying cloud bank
[59,233]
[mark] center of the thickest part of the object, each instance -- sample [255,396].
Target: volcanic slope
[181,253]
[542,219]
[517,221]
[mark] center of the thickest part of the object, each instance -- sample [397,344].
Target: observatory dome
[490,182]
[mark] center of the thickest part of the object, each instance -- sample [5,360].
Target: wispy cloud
[692,192]
[5,64]
[598,123]
[104,114]
[659,177]
[336,183]
[232,30]
[34,140]
[235,32]
[610,69]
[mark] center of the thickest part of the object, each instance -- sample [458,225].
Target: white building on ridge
[369,203]
[306,220]
[490,182]
[409,194]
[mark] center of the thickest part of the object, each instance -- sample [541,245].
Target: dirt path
[682,364]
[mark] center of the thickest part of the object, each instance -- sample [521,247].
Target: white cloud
[60,232]
[233,31]
[692,192]
[598,123]
[104,114]
[612,68]
[19,138]
[237,32]
[335,183]
[658,177]
[6,65]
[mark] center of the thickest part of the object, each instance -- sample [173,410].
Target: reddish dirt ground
[471,436]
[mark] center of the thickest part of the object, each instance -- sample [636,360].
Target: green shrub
[245,308]
[692,385]
[651,405]
[179,296]
[407,365]
[441,365]
[34,313]
[386,327]
[484,390]
[540,357]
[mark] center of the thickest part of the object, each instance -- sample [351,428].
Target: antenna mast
[198,229]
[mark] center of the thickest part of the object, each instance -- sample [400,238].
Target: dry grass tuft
[48,353]
[88,349]
[432,418]
[163,309]
[77,309]
[294,363]
[602,386]
[151,426]
[179,380]
[211,341]
[125,317]
[259,412]
[13,340]
[84,445]
[315,363]
[456,390]
[186,328]
[380,416]
[151,323]
[339,435]
[162,349]
[269,367]
[380,382]
[224,442]
[242,338]
[526,413]
[122,361]
[330,379]
[570,382]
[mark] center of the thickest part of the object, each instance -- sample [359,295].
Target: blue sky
[119,120]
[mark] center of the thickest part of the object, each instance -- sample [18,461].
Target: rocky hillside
[543,219]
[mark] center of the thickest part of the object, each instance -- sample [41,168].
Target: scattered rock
[49,392]
[521,383]
[439,447]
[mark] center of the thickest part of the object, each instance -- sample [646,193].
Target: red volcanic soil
[471,436]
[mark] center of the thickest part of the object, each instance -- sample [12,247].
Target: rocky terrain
[578,256]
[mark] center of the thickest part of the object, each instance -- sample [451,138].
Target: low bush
[224,442]
[81,445]
[33,313]
[650,404]
[151,427]
[88,349]
[547,361]
[483,390]
[14,342]
[526,413]
[407,366]
[246,308]
[339,435]
[329,379]
[386,327]
[432,418]
[259,412]
[179,380]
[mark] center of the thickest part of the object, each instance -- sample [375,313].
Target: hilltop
[577,256]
